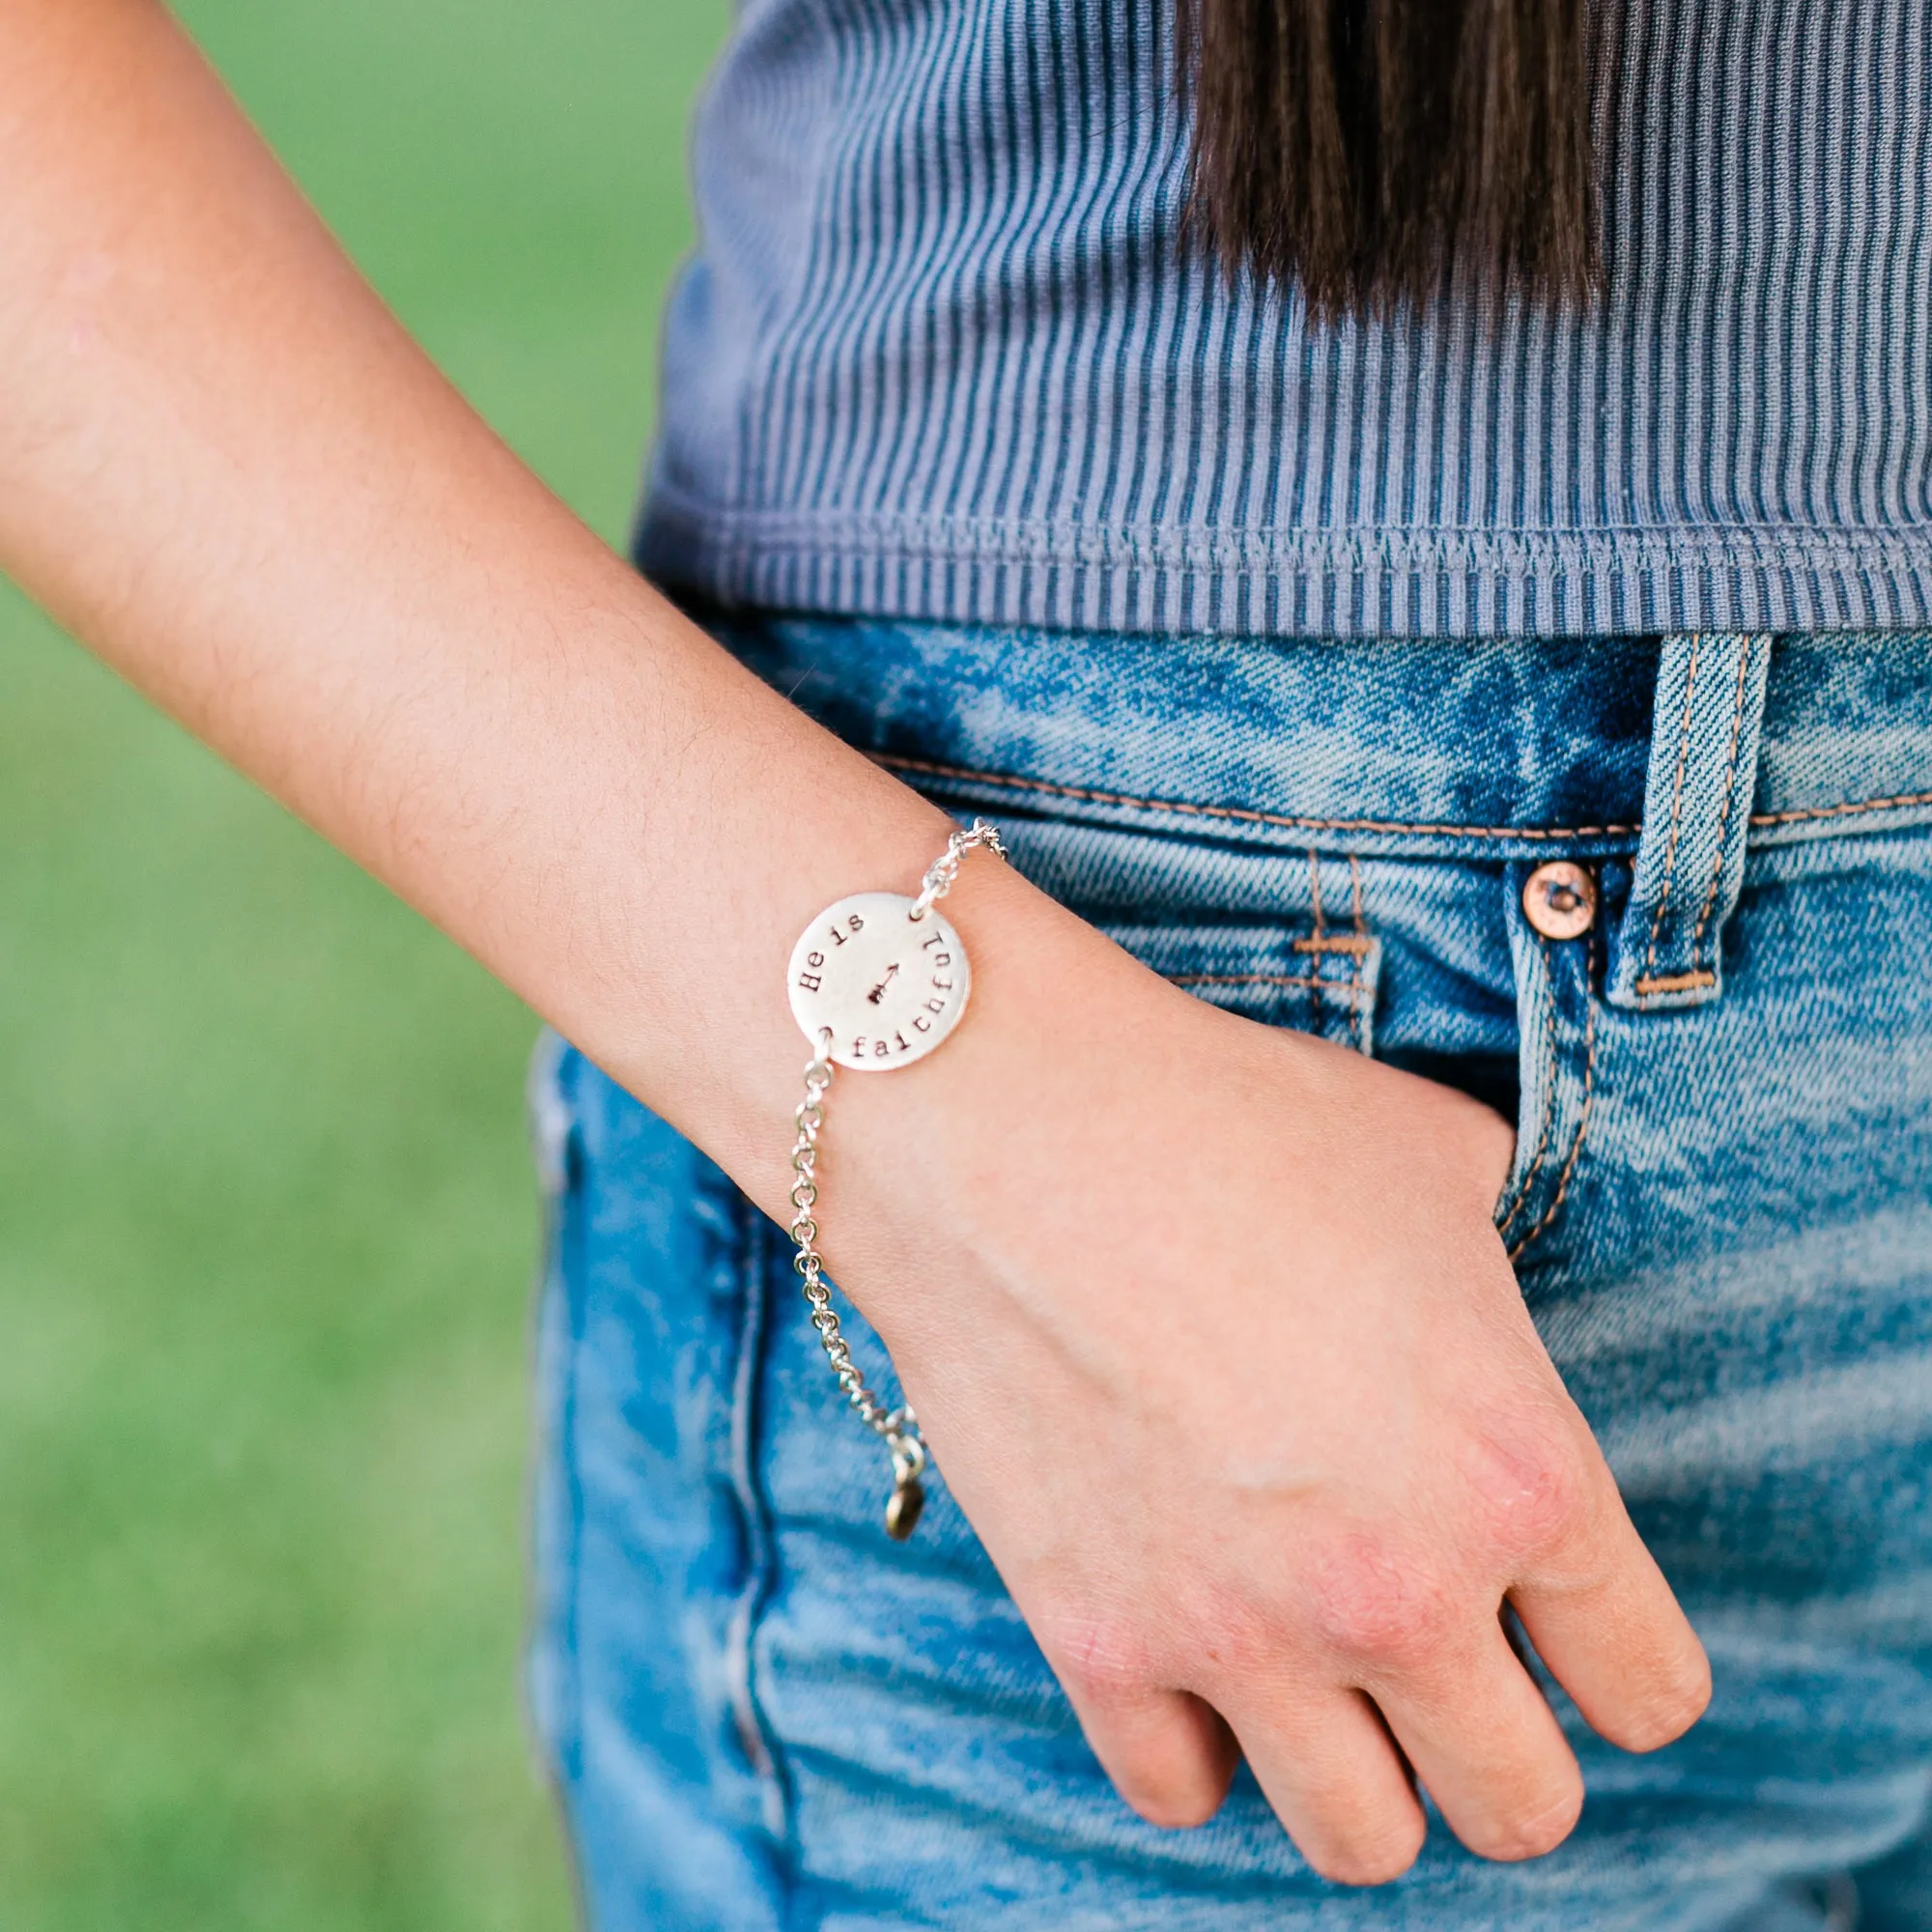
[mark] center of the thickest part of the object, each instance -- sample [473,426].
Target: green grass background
[266,1230]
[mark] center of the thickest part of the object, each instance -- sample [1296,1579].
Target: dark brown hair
[1369,150]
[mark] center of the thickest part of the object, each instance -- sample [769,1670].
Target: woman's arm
[228,469]
[1289,1522]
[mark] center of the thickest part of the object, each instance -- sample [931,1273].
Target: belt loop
[1696,806]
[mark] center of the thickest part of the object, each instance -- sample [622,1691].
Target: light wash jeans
[762,1714]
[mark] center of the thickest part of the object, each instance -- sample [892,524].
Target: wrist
[877,981]
[1037,1052]
[795,821]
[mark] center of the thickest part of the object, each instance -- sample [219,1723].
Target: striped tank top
[941,354]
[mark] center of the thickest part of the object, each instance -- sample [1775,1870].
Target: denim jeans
[763,1713]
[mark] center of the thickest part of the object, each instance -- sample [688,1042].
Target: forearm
[228,469]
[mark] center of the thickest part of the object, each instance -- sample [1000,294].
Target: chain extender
[933,993]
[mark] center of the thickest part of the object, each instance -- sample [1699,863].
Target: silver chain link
[944,870]
[896,1428]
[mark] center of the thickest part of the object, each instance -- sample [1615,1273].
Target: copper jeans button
[1559,899]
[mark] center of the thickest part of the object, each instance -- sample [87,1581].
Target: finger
[1603,1618]
[1487,1748]
[1339,1786]
[1167,1753]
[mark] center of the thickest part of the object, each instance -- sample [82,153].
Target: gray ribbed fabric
[941,356]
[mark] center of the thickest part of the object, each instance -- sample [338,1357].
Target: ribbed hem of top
[1358,582]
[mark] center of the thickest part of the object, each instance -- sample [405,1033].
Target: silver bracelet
[877,981]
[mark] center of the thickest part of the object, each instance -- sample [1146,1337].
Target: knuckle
[1102,1658]
[1378,1606]
[1530,1484]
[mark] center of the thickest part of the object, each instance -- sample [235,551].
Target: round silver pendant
[888,987]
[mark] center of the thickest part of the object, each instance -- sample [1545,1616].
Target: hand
[1228,1367]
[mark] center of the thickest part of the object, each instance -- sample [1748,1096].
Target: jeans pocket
[1313,980]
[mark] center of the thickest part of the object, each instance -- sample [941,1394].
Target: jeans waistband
[1509,749]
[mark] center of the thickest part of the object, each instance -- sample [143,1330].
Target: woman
[1066,403]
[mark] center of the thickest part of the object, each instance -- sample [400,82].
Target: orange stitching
[1589,1095]
[1359,945]
[1317,1013]
[1676,983]
[1898,804]
[1724,814]
[1240,814]
[1350,941]
[1676,805]
[1536,1159]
